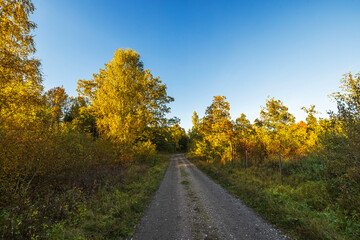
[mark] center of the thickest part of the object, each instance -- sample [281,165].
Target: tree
[81,116]
[311,120]
[275,114]
[243,134]
[344,138]
[313,127]
[194,132]
[348,104]
[127,101]
[58,101]
[20,75]
[347,118]
[179,138]
[218,129]
[195,120]
[23,112]
[275,121]
[340,144]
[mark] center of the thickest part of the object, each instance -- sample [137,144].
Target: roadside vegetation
[116,208]
[86,166]
[77,167]
[315,194]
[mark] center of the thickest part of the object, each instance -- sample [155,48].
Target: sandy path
[188,205]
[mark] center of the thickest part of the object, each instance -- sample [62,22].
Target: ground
[188,205]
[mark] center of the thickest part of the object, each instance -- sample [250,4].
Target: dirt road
[188,205]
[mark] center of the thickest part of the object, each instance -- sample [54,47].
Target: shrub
[144,151]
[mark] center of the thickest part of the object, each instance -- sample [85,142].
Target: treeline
[57,151]
[221,139]
[321,160]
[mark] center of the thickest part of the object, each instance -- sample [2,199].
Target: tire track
[189,205]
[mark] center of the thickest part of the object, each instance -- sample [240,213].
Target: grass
[114,212]
[183,172]
[109,209]
[185,183]
[302,206]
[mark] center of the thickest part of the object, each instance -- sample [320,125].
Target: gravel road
[188,205]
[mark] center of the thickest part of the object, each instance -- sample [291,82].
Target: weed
[185,182]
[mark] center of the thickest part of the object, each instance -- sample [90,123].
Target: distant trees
[331,145]
[57,100]
[275,122]
[320,158]
[194,132]
[220,139]
[244,139]
[179,138]
[213,135]
[275,115]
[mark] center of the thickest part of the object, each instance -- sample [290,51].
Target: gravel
[189,205]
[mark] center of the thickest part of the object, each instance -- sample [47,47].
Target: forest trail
[188,205]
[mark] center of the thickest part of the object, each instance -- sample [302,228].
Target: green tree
[194,132]
[344,136]
[340,141]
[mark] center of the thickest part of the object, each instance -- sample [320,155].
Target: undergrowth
[105,205]
[303,206]
[116,209]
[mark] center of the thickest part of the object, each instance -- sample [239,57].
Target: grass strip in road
[116,209]
[185,182]
[183,172]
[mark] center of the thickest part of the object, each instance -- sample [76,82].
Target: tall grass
[302,205]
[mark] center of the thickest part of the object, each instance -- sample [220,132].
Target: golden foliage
[126,99]
[50,149]
[217,137]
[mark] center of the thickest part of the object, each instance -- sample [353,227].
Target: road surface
[188,205]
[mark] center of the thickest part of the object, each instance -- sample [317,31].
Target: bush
[144,151]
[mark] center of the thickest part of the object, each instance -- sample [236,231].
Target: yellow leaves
[57,100]
[144,151]
[87,88]
[20,78]
[125,98]
[220,139]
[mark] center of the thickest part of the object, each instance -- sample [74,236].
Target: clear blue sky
[295,51]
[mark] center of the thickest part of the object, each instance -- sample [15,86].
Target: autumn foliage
[320,162]
[56,151]
[218,138]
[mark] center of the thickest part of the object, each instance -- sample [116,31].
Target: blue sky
[295,51]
